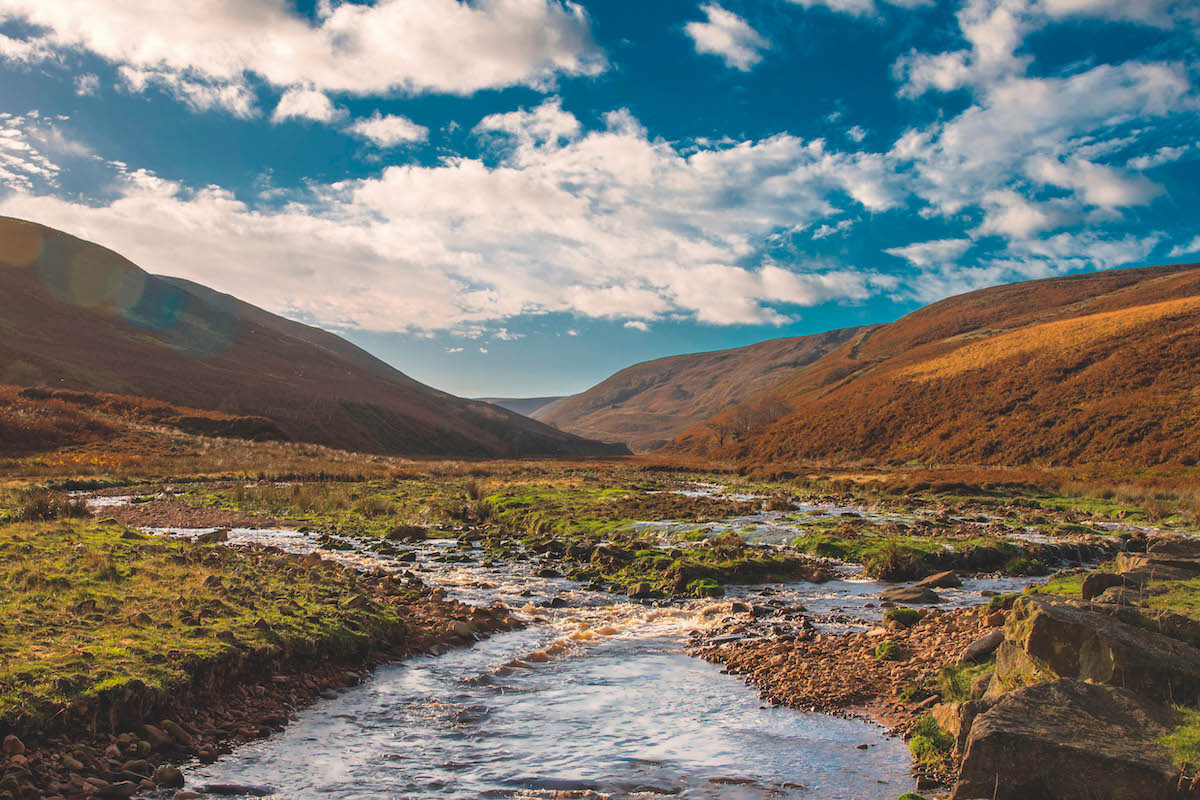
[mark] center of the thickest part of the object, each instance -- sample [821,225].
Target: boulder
[1049,638]
[1098,582]
[1159,566]
[1069,740]
[942,580]
[640,590]
[910,594]
[168,777]
[982,647]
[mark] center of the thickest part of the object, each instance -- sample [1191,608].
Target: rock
[1059,638]
[1157,566]
[738,607]
[942,580]
[358,602]
[464,629]
[640,590]
[13,746]
[206,755]
[139,767]
[910,594]
[168,777]
[213,537]
[995,619]
[1068,740]
[121,789]
[187,796]
[982,647]
[1097,582]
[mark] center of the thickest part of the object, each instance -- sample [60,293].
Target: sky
[520,197]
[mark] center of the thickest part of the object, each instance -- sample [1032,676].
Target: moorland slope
[649,403]
[1096,368]
[74,315]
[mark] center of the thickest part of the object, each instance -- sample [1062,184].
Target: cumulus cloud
[234,97]
[1161,156]
[1094,184]
[637,325]
[391,130]
[727,35]
[444,46]
[608,224]
[310,104]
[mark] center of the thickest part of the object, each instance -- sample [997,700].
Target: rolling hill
[649,403]
[74,315]
[1096,368]
[525,406]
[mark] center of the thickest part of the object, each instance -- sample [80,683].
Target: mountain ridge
[79,316]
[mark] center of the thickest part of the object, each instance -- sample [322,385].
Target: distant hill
[520,405]
[74,315]
[1096,368]
[647,404]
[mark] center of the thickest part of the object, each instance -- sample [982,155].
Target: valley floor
[153,619]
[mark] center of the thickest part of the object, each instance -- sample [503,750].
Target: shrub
[929,743]
[887,651]
[894,561]
[41,505]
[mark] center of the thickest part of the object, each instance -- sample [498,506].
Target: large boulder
[1048,638]
[1159,565]
[910,594]
[941,580]
[1069,740]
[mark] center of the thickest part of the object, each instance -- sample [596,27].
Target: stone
[464,629]
[1068,740]
[982,647]
[640,590]
[941,580]
[13,746]
[168,777]
[213,537]
[1097,582]
[120,789]
[910,594]
[138,766]
[1059,638]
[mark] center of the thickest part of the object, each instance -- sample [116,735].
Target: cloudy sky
[519,197]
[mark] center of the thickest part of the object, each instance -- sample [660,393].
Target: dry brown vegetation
[1095,370]
[647,404]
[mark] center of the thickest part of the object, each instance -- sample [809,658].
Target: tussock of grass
[1184,741]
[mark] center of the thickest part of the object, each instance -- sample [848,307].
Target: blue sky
[519,197]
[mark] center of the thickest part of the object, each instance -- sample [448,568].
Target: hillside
[1094,368]
[649,403]
[74,315]
[525,406]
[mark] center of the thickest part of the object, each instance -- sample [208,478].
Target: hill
[74,315]
[526,406]
[1096,368]
[649,403]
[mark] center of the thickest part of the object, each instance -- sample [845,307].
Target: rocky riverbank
[176,650]
[1086,689]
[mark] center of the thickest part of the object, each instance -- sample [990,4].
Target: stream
[594,699]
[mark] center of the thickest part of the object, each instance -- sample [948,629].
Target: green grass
[954,682]
[86,608]
[929,744]
[1184,741]
[888,651]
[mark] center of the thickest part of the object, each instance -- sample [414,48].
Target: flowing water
[594,699]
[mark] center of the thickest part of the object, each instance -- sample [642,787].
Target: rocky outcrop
[910,594]
[1069,740]
[1049,638]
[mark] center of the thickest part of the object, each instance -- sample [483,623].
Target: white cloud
[31,148]
[444,46]
[87,85]
[1186,249]
[826,230]
[637,325]
[545,124]
[1008,213]
[310,104]
[483,350]
[454,349]
[857,133]
[235,97]
[608,224]
[1161,156]
[572,332]
[932,253]
[727,35]
[388,131]
[1095,184]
